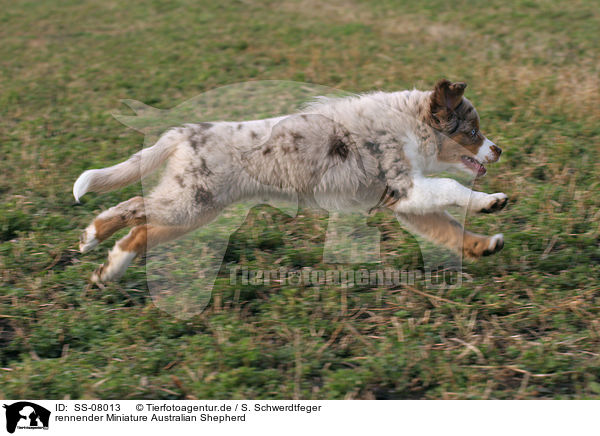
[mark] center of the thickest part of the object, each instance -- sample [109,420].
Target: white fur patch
[485,154]
[481,200]
[117,263]
[82,184]
[495,241]
[88,239]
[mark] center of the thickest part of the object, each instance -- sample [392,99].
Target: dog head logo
[26,415]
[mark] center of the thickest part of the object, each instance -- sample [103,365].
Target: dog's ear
[447,95]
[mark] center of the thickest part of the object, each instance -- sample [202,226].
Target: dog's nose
[497,150]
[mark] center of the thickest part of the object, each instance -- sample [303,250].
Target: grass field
[525,323]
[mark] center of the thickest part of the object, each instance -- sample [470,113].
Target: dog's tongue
[478,168]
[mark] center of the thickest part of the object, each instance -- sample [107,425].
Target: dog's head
[461,145]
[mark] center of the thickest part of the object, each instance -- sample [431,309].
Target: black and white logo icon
[26,415]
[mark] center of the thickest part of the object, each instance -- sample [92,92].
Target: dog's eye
[473,132]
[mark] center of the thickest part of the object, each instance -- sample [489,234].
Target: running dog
[368,151]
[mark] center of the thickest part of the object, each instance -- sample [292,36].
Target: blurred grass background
[526,323]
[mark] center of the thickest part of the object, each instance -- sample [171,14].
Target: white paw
[493,203]
[87,240]
[95,278]
[115,266]
[495,245]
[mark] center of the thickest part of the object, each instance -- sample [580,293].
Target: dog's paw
[476,246]
[95,278]
[88,240]
[496,243]
[494,203]
[114,267]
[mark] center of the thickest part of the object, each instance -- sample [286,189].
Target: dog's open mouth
[474,165]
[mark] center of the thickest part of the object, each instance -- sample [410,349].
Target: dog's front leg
[441,228]
[435,194]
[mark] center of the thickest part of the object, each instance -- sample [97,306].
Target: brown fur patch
[476,246]
[442,229]
[106,227]
[131,213]
[454,119]
[447,95]
[136,240]
[445,99]
[147,236]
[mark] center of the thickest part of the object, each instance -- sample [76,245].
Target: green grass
[524,324]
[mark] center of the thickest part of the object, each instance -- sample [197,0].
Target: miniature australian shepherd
[368,152]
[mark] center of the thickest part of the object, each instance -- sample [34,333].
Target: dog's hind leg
[443,229]
[139,239]
[128,213]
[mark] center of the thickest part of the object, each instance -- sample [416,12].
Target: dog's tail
[130,171]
